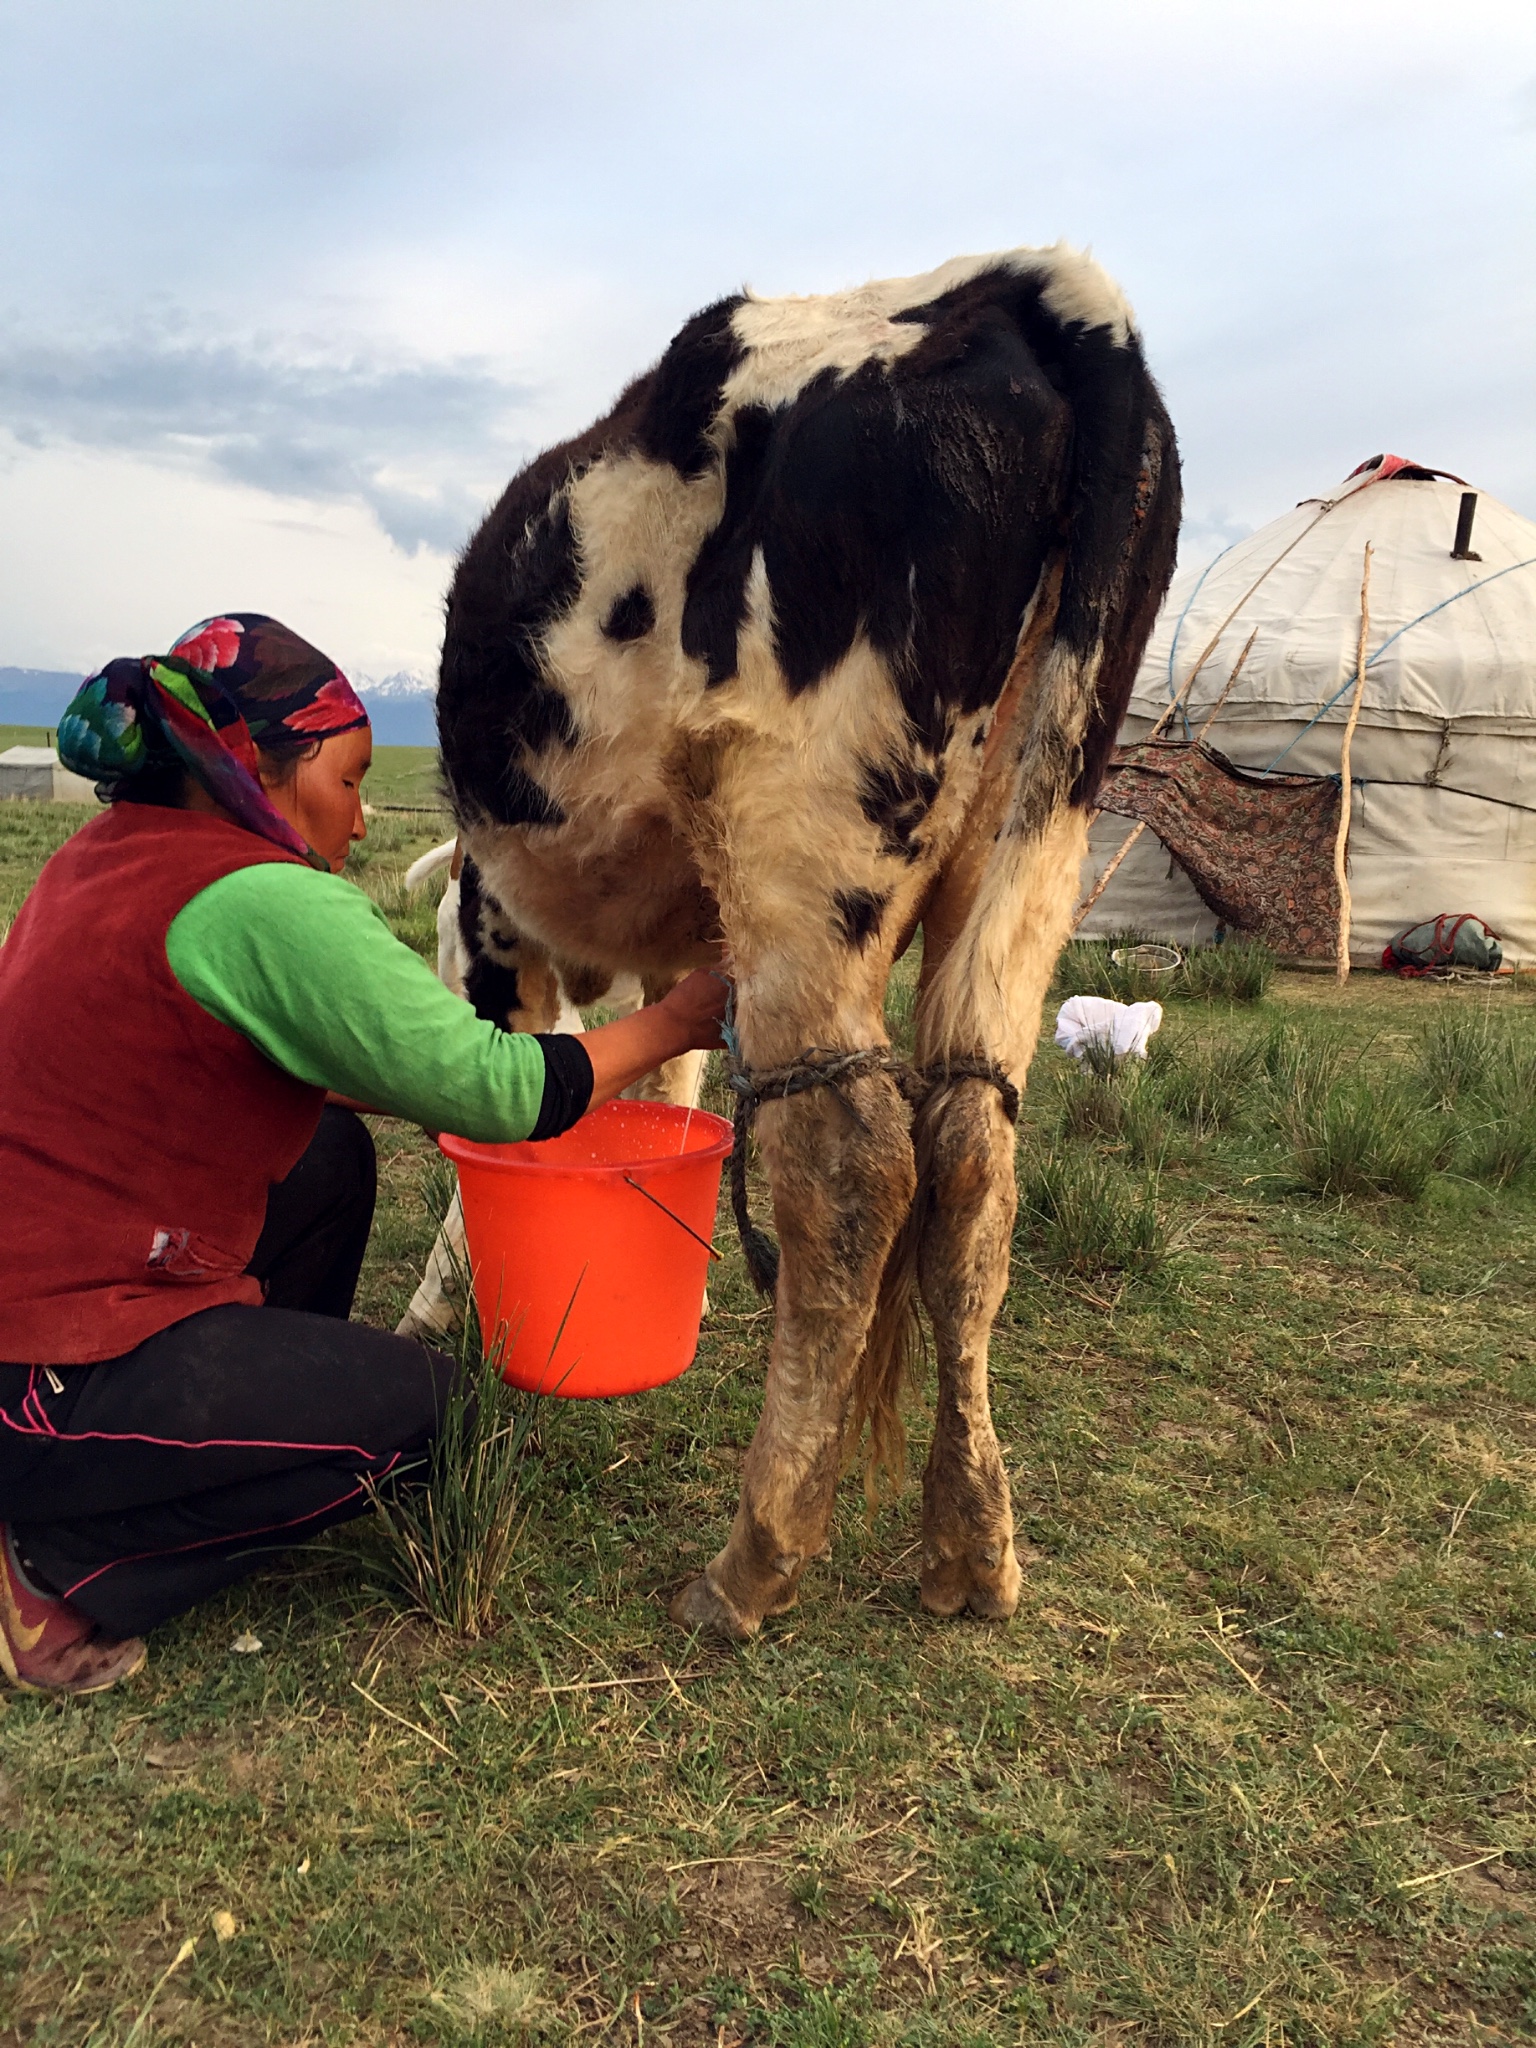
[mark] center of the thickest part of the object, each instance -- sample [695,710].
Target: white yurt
[1443,757]
[36,772]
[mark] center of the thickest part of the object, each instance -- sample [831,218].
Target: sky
[288,291]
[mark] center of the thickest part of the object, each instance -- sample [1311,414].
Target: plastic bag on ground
[1125,1027]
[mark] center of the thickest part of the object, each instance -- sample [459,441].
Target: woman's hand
[687,1019]
[699,1004]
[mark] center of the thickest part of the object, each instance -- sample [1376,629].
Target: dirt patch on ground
[739,1910]
[222,1765]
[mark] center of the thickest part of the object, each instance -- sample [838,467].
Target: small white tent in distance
[1443,812]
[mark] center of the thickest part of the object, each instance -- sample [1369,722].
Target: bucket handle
[675,1218]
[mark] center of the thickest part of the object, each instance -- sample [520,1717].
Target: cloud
[422,444]
[1204,535]
[267,335]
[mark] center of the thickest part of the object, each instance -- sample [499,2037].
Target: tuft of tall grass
[1481,1078]
[715,1091]
[1101,1098]
[1351,1132]
[1454,1057]
[510,1998]
[1240,971]
[412,914]
[1509,1085]
[1145,1132]
[1501,1152]
[1302,1064]
[1500,1134]
[1088,1104]
[1080,1214]
[439,1184]
[450,1533]
[901,1009]
[1207,1086]
[1350,1138]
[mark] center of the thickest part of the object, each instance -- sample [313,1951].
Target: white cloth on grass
[1125,1026]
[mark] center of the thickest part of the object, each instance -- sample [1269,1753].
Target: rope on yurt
[1214,641]
[1479,796]
[1372,659]
[1173,645]
[1440,607]
[1341,838]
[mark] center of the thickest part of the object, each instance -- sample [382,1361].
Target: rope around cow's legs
[825,1067]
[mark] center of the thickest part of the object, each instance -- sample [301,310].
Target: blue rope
[1173,645]
[728,1035]
[1372,659]
[1440,607]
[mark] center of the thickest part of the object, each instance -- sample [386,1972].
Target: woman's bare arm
[686,1020]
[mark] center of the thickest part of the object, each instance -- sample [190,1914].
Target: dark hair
[166,782]
[280,760]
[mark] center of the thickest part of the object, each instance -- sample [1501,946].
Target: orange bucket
[590,1251]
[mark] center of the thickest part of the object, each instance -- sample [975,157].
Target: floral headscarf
[233,684]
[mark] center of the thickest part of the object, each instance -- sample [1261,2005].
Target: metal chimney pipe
[1462,552]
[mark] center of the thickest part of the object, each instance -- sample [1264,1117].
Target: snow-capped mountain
[405,682]
[399,704]
[401,707]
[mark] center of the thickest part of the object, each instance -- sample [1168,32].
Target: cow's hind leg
[979,1009]
[839,1163]
[965,1151]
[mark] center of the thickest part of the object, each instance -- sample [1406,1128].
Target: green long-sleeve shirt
[307,968]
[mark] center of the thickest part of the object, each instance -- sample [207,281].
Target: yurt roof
[1448,639]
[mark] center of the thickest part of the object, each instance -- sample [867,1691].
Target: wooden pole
[1136,831]
[1226,689]
[1212,644]
[1341,842]
[1109,873]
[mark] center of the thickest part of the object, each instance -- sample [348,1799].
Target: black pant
[156,1478]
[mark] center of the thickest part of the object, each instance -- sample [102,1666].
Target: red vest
[138,1136]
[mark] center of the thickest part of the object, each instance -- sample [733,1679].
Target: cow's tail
[1058,715]
[1121,499]
[427,865]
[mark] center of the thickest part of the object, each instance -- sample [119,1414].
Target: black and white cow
[822,634]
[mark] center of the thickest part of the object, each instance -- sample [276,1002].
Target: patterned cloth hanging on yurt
[1443,757]
[1258,848]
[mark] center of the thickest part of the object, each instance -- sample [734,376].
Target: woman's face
[323,797]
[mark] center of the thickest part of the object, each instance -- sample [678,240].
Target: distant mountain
[405,682]
[34,696]
[400,705]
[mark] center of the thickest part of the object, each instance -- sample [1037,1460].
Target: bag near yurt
[1444,943]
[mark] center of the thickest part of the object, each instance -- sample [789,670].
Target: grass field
[403,775]
[1253,1765]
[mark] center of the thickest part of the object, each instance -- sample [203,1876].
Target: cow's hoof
[434,1335]
[699,1605]
[988,1583]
